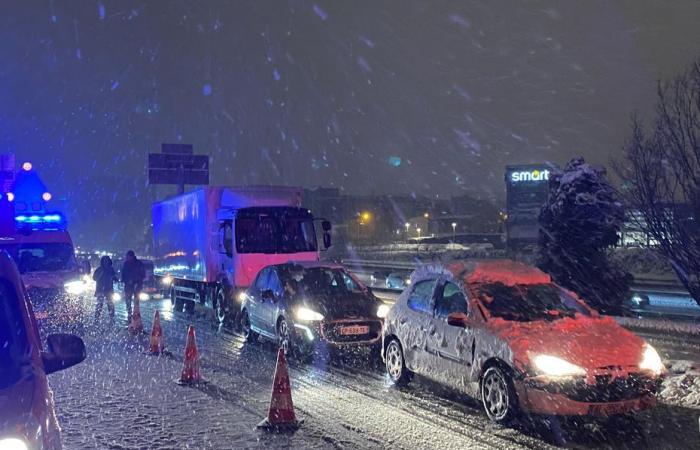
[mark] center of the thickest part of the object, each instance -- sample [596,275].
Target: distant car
[378,278]
[27,415]
[396,280]
[504,333]
[306,305]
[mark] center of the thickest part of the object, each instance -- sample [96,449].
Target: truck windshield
[14,346]
[275,230]
[42,257]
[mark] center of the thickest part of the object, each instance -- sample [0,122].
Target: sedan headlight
[556,367]
[144,297]
[651,360]
[383,310]
[76,287]
[308,315]
[13,444]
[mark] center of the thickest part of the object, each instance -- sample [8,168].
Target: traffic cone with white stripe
[190,370]
[157,343]
[280,416]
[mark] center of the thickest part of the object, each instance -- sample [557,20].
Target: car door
[255,302]
[271,308]
[454,346]
[416,326]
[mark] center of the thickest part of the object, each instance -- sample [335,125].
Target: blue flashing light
[41,222]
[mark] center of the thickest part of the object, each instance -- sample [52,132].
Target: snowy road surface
[121,398]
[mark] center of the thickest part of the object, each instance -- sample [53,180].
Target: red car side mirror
[458,319]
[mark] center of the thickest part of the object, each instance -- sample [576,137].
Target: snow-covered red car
[27,415]
[504,333]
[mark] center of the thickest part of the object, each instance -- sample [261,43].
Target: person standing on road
[104,277]
[133,274]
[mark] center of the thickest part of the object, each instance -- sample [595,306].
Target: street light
[408,227]
[454,231]
[426,215]
[418,230]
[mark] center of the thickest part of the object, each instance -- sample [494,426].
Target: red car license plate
[608,410]
[354,330]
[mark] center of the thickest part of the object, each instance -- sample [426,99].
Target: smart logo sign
[524,176]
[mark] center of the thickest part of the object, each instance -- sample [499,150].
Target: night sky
[430,97]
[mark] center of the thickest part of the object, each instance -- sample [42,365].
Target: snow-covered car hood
[585,341]
[48,280]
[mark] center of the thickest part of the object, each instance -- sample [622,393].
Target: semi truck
[210,243]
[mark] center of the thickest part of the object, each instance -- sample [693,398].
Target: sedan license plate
[608,410]
[354,330]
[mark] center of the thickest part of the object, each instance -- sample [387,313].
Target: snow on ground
[665,325]
[682,387]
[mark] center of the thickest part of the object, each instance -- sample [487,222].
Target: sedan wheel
[498,395]
[221,310]
[395,364]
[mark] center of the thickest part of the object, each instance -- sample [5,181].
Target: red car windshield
[526,303]
[14,348]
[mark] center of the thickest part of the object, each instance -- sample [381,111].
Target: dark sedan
[310,306]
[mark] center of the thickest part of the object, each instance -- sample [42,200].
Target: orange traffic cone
[157,345]
[281,414]
[136,325]
[190,371]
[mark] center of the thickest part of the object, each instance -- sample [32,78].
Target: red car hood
[587,342]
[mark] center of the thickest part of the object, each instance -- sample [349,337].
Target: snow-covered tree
[579,226]
[661,176]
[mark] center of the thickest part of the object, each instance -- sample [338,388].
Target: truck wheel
[189,306]
[177,302]
[221,311]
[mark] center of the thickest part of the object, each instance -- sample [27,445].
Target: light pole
[408,227]
[454,231]
[418,230]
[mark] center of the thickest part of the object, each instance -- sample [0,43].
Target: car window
[14,346]
[261,281]
[350,283]
[421,296]
[450,300]
[274,283]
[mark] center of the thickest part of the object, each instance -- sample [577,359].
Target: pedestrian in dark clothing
[133,274]
[104,277]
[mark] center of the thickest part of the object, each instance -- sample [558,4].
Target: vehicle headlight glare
[383,310]
[651,360]
[308,315]
[76,287]
[13,444]
[116,296]
[166,280]
[144,297]
[556,367]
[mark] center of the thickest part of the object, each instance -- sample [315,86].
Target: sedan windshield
[321,281]
[13,337]
[525,303]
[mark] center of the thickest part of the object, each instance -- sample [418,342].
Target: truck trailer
[210,243]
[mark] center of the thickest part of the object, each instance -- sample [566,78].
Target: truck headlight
[166,280]
[651,360]
[307,315]
[76,287]
[13,444]
[383,310]
[556,367]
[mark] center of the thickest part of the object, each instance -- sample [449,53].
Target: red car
[27,415]
[504,333]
